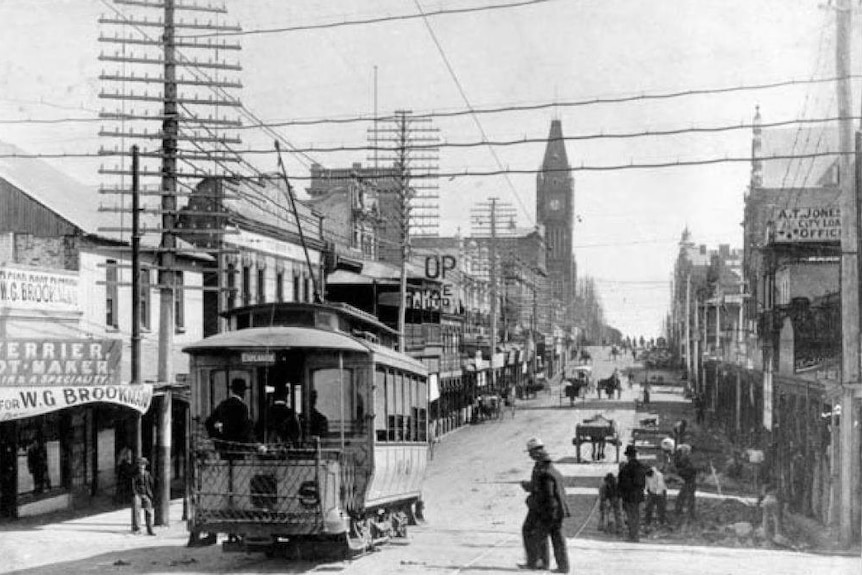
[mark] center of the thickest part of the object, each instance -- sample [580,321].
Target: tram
[335,489]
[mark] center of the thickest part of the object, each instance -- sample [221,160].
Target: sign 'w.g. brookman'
[805,224]
[40,376]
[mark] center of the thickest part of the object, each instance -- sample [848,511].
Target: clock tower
[555,210]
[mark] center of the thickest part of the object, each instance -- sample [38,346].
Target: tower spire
[756,152]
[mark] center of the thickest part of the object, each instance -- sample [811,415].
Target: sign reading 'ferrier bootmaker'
[806,224]
[40,376]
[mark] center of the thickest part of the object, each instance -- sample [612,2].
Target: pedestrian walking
[546,510]
[768,502]
[609,505]
[656,497]
[685,500]
[142,489]
[631,481]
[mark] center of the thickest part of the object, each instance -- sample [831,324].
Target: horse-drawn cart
[578,381]
[598,431]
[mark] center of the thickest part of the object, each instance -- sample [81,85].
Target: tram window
[409,393]
[390,405]
[335,400]
[422,410]
[380,404]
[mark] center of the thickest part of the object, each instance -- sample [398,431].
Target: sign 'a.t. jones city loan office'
[807,224]
[38,376]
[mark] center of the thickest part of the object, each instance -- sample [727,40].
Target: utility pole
[849,267]
[493,274]
[696,358]
[136,290]
[717,344]
[688,329]
[485,216]
[170,135]
[140,95]
[404,205]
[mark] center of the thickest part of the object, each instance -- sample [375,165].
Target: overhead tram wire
[470,106]
[366,21]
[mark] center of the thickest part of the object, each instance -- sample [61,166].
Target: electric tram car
[335,489]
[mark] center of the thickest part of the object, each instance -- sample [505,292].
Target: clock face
[554,204]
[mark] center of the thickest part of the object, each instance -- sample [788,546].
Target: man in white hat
[547,509]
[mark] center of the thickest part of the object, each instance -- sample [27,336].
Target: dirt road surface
[475,507]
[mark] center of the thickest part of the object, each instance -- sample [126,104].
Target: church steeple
[555,151]
[756,154]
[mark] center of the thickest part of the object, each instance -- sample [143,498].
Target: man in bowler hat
[547,508]
[631,482]
[230,423]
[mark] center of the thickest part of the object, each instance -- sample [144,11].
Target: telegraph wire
[259,124]
[567,104]
[476,121]
[499,172]
[365,21]
[543,139]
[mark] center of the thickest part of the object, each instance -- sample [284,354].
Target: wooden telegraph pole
[136,289]
[170,134]
[138,104]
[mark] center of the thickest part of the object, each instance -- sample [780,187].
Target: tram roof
[279,337]
[396,359]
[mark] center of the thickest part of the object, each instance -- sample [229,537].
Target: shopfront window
[39,470]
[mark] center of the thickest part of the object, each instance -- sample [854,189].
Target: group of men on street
[638,484]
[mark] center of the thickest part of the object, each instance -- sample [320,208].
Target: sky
[628,221]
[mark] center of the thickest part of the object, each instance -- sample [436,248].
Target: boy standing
[142,488]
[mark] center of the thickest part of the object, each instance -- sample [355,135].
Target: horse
[585,356]
[609,384]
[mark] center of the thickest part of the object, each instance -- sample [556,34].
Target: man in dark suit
[230,423]
[282,424]
[631,482]
[547,509]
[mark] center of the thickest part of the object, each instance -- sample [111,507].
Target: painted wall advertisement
[807,224]
[32,289]
[40,376]
[443,268]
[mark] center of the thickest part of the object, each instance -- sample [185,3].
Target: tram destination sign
[258,357]
[807,224]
